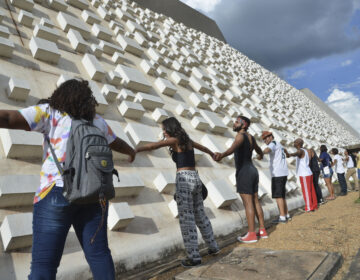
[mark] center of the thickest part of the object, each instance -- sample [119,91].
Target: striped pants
[309,194]
[191,213]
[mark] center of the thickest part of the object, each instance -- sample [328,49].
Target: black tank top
[184,159]
[243,153]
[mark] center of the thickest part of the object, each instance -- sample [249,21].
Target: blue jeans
[358,171]
[52,218]
[342,182]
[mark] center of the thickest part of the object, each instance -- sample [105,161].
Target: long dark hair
[323,148]
[75,98]
[173,127]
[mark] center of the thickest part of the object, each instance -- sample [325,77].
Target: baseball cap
[265,134]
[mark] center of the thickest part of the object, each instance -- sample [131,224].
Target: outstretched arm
[239,139]
[202,148]
[121,146]
[13,119]
[298,153]
[258,149]
[156,145]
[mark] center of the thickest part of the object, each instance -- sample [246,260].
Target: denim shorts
[328,175]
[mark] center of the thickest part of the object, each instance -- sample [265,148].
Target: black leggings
[319,196]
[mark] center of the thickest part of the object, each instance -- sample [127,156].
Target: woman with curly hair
[53,215]
[188,189]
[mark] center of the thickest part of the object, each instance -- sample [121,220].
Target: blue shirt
[326,159]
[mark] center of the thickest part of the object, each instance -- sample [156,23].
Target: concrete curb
[354,270]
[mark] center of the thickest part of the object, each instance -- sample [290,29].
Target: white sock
[287,215]
[283,218]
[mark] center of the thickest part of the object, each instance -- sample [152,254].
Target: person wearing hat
[279,172]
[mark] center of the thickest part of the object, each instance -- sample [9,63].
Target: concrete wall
[185,14]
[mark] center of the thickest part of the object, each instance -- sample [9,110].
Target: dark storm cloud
[282,33]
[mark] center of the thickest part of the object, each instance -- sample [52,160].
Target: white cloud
[346,62]
[203,5]
[297,75]
[346,104]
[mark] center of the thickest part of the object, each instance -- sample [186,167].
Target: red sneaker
[250,237]
[262,234]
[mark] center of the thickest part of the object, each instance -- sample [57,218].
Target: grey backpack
[88,168]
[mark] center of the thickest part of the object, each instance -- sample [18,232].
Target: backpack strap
[58,165]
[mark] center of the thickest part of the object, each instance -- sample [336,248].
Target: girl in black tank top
[188,189]
[247,177]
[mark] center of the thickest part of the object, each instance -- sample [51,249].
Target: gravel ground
[335,227]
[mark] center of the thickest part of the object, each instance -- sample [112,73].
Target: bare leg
[249,210]
[258,211]
[330,187]
[281,203]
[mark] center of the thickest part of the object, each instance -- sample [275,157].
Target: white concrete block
[16,231]
[200,123]
[141,134]
[221,193]
[165,86]
[110,92]
[134,27]
[216,125]
[179,78]
[93,67]
[58,5]
[18,190]
[46,33]
[47,22]
[76,41]
[154,55]
[103,12]
[133,79]
[265,179]
[228,121]
[126,94]
[123,15]
[90,17]
[63,78]
[140,39]
[25,18]
[182,109]
[129,185]
[173,208]
[199,85]
[129,45]
[44,50]
[118,58]
[198,73]
[96,50]
[198,100]
[81,4]
[114,78]
[2,15]
[120,215]
[101,32]
[147,67]
[18,89]
[165,182]
[23,4]
[149,101]
[6,47]
[194,111]
[4,32]
[131,110]
[110,48]
[66,22]
[159,115]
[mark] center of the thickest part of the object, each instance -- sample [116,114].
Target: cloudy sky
[309,43]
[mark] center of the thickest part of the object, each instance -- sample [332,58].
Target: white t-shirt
[278,165]
[350,163]
[339,166]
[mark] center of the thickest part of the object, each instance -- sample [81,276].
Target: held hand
[259,157]
[218,156]
[132,156]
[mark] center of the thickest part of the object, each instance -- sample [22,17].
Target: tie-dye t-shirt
[56,125]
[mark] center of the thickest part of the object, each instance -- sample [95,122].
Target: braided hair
[173,127]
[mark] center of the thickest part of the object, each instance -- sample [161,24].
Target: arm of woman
[13,119]
[202,148]
[156,145]
[121,146]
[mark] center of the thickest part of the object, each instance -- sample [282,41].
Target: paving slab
[259,264]
[354,270]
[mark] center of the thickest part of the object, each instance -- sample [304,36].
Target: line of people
[53,215]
